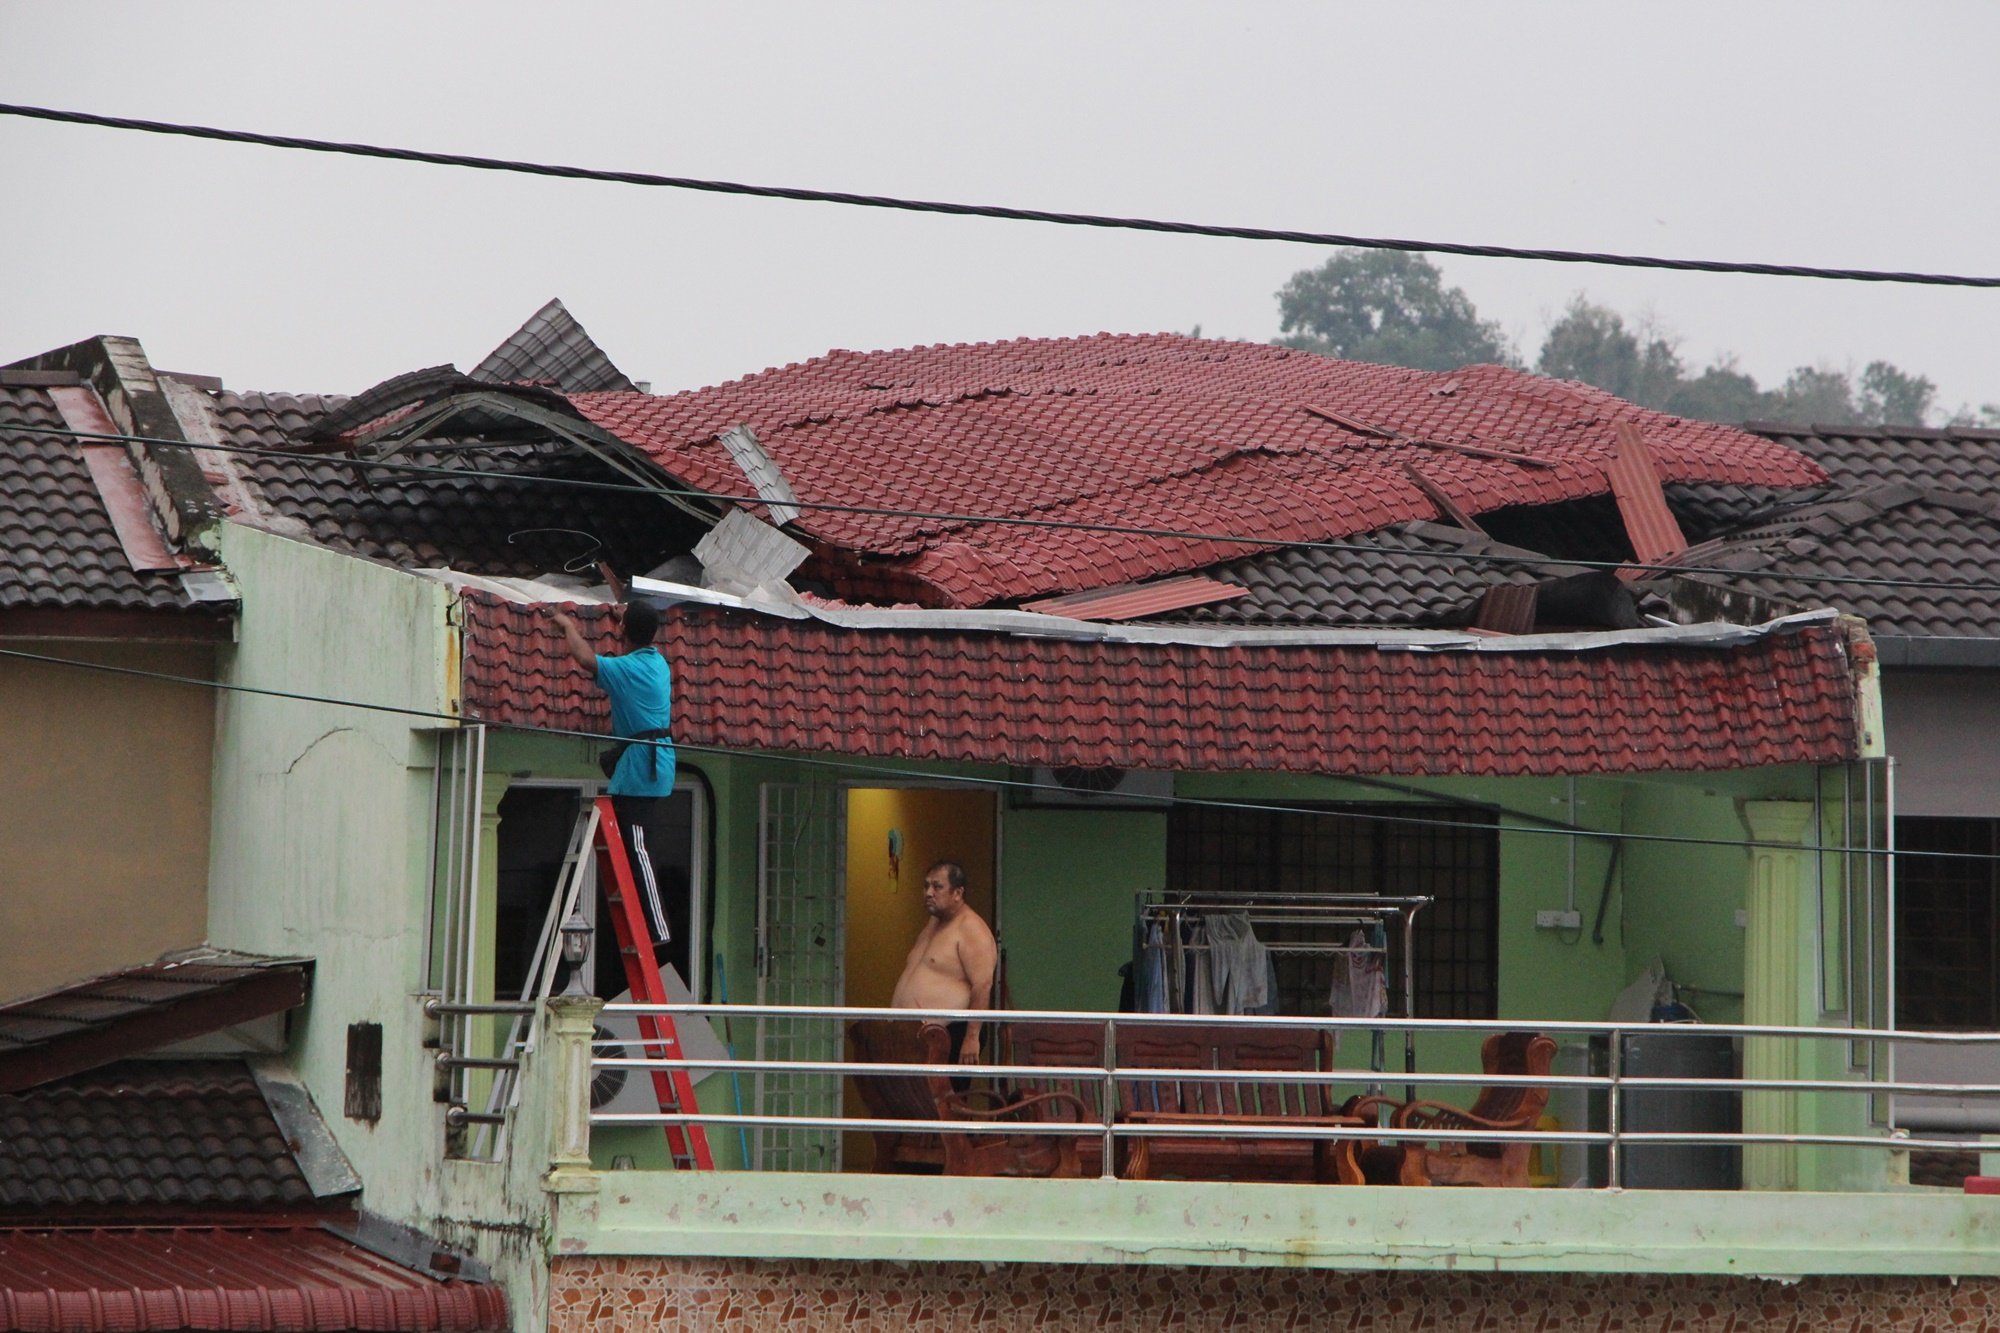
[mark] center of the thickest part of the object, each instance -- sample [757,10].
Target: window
[1450,853]
[536,823]
[1947,973]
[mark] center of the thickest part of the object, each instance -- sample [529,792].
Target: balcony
[1779,1159]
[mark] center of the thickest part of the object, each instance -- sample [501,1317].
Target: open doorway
[893,835]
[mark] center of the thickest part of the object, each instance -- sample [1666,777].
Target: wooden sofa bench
[1261,1097]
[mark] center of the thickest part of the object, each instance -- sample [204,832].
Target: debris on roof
[552,348]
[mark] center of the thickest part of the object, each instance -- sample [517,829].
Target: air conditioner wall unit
[1093,788]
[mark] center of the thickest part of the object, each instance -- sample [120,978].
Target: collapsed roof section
[1185,438]
[996,473]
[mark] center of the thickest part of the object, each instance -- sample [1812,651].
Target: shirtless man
[951,964]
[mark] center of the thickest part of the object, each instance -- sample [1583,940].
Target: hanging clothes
[1360,988]
[1201,970]
[1150,985]
[1239,964]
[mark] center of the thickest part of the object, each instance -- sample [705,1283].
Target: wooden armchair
[1507,1106]
[1063,1045]
[999,1154]
[895,1041]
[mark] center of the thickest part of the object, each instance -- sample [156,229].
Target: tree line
[1395,309]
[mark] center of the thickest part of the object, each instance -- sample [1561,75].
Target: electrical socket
[1558,921]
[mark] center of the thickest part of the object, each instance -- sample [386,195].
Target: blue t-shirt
[641,689]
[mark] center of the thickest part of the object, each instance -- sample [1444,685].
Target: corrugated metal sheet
[242,1280]
[1135,601]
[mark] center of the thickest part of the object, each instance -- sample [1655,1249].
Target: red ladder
[688,1144]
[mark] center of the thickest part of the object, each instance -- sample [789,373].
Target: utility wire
[891,770]
[1004,520]
[1003,212]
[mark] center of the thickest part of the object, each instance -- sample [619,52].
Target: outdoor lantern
[575,946]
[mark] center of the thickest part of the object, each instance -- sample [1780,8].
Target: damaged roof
[60,549]
[1160,431]
[485,509]
[960,687]
[1909,505]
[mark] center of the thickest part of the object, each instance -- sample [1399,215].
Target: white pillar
[572,1021]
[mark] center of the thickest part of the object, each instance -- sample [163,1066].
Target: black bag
[607,758]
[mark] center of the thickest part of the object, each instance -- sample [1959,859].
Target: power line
[1005,520]
[891,770]
[1003,212]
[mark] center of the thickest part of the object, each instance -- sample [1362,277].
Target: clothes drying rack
[1337,914]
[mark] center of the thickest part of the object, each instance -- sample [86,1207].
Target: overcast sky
[1809,133]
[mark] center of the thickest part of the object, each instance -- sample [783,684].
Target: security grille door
[801,905]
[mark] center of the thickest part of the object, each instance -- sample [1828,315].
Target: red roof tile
[1155,430]
[754,682]
[224,1278]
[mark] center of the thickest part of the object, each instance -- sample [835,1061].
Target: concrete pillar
[1775,982]
[571,1022]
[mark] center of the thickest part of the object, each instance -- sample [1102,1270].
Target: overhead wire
[350,462]
[995,211]
[895,769]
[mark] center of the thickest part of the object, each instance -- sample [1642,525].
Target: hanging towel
[1201,973]
[1360,989]
[1151,985]
[1238,963]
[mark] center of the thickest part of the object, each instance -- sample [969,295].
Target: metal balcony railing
[1773,1124]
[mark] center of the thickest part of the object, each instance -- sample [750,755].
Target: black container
[1671,1050]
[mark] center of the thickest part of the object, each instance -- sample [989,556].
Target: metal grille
[800,910]
[1453,857]
[1947,967]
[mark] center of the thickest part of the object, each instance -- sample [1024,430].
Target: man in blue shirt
[640,686]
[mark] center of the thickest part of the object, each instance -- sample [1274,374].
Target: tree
[1816,394]
[1719,393]
[1389,307]
[1893,398]
[1592,344]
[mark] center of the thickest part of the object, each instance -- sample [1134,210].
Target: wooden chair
[999,1154]
[1263,1096]
[895,1041]
[1507,1106]
[1063,1045]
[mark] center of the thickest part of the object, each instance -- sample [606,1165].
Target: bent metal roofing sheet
[1607,703]
[1155,430]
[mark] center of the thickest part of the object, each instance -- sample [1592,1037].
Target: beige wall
[104,810]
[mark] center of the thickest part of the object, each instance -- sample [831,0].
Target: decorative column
[572,1021]
[1773,981]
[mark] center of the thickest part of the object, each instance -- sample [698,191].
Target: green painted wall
[1069,877]
[320,847]
[916,1219]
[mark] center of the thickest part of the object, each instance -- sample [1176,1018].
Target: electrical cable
[1002,212]
[891,770]
[1006,520]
